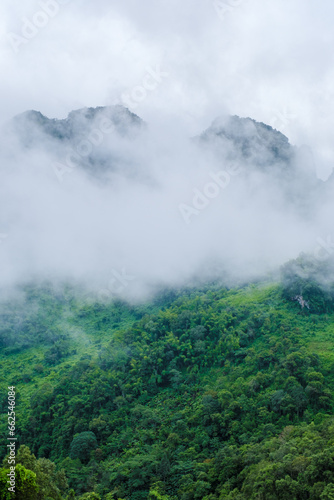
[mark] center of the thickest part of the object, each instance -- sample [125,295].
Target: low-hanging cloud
[125,208]
[271,61]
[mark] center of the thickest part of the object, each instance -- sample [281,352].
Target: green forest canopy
[202,394]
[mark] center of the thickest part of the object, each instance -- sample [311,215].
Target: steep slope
[93,139]
[32,126]
[107,140]
[208,393]
[266,154]
[251,141]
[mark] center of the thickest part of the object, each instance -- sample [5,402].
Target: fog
[109,201]
[135,204]
[272,61]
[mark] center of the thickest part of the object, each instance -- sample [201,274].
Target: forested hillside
[208,393]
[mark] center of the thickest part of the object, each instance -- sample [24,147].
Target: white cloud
[272,61]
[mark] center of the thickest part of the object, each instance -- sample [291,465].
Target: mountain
[208,390]
[93,139]
[90,138]
[33,126]
[264,151]
[250,141]
[203,393]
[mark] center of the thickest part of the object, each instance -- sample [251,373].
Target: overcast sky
[272,61]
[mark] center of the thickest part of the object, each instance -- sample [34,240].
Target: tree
[328,493]
[82,446]
[50,482]
[25,484]
[157,492]
[90,496]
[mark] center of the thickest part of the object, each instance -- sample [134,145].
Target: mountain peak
[31,124]
[248,140]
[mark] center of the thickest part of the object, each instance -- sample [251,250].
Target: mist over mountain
[102,197]
[79,138]
[262,149]
[254,142]
[79,123]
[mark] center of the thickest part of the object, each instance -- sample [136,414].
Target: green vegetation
[311,281]
[203,394]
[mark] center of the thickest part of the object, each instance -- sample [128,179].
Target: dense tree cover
[206,394]
[35,479]
[34,316]
[25,484]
